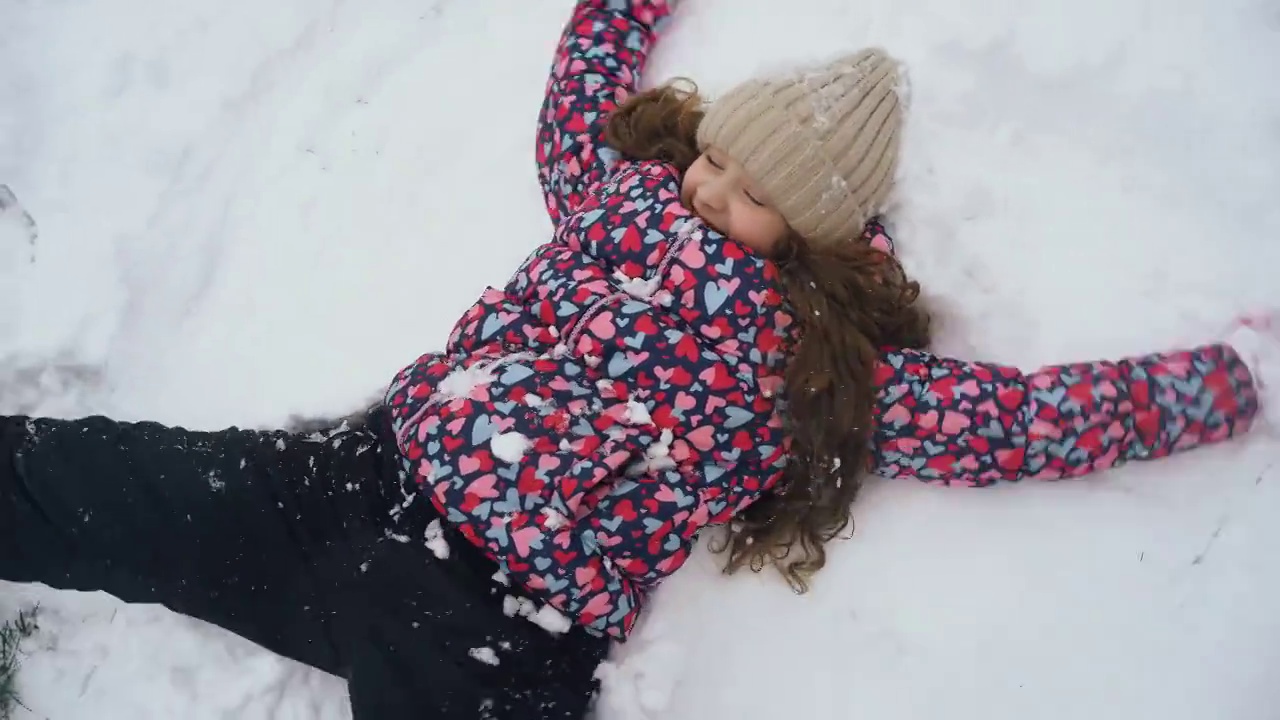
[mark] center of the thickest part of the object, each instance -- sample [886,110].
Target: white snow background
[249,209]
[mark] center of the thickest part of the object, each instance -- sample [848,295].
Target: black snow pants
[299,543]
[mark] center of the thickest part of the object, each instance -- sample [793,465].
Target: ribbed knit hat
[822,143]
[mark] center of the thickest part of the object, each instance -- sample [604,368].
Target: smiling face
[718,189]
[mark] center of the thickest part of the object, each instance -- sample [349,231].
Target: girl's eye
[752,198]
[714,164]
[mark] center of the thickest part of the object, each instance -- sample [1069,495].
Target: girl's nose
[712,194]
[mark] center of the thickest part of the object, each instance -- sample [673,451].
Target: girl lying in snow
[718,334]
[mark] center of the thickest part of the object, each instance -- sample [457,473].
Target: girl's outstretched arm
[596,68]
[949,421]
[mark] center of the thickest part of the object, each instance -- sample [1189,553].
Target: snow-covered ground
[249,209]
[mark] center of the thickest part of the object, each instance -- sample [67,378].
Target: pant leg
[297,543]
[426,636]
[243,529]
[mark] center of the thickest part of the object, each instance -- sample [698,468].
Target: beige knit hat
[823,143]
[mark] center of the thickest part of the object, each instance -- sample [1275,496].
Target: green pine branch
[12,634]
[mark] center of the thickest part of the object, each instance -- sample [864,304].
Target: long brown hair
[850,301]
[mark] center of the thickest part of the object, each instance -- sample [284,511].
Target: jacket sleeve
[949,421]
[596,68]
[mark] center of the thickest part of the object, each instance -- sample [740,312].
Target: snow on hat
[823,143]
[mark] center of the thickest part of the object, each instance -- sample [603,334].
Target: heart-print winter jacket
[621,392]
